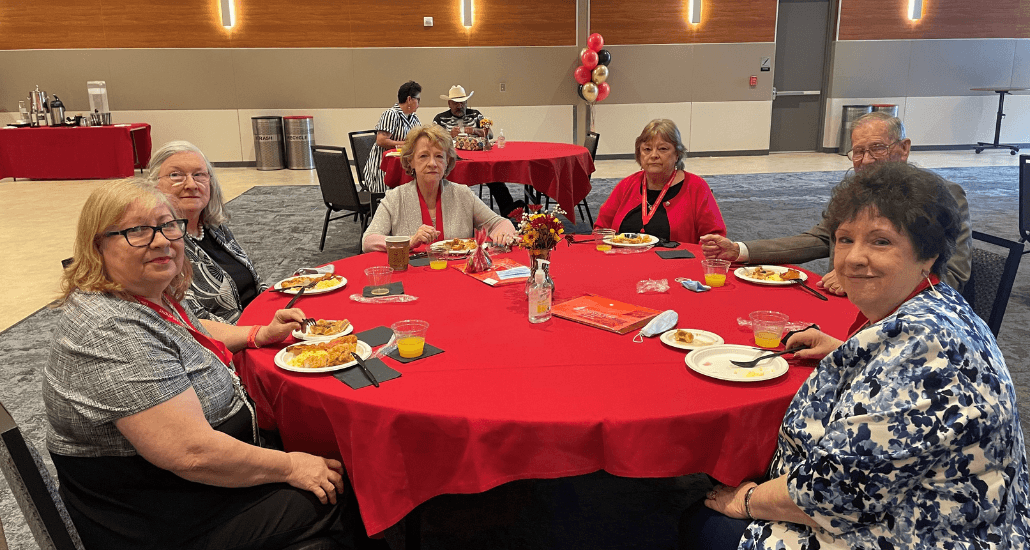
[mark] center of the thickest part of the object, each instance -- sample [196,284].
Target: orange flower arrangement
[538,229]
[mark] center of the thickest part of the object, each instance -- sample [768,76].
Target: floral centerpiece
[539,232]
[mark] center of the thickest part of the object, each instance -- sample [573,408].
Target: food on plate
[763,274]
[325,354]
[631,238]
[790,275]
[684,336]
[456,245]
[323,281]
[323,327]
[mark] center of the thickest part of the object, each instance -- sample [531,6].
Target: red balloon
[583,74]
[589,59]
[603,89]
[595,42]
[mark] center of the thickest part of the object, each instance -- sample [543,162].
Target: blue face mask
[665,320]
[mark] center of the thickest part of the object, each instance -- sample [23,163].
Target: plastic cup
[768,327]
[600,234]
[379,275]
[715,271]
[437,258]
[397,249]
[411,337]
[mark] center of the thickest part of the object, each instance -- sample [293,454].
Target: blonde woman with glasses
[224,278]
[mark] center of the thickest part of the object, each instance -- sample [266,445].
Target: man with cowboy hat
[459,117]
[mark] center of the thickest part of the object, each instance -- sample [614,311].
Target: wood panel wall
[888,19]
[665,21]
[88,24]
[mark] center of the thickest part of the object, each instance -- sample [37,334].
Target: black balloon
[580,92]
[604,57]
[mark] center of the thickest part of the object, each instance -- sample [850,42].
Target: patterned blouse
[397,124]
[213,294]
[906,436]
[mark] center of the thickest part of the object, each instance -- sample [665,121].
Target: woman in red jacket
[662,199]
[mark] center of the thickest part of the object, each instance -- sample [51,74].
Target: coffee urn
[56,111]
[38,108]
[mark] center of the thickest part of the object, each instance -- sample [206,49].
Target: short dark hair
[408,89]
[916,202]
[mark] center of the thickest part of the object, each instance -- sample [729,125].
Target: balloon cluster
[593,73]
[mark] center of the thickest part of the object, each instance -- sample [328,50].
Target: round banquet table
[559,170]
[513,400]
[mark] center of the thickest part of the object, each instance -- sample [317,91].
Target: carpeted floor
[280,229]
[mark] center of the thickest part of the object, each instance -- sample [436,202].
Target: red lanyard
[646,214]
[861,320]
[426,220]
[215,346]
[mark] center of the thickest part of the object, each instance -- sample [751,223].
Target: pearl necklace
[201,236]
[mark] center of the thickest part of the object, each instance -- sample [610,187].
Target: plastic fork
[755,362]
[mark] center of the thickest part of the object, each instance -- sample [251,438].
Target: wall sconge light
[694,11]
[915,9]
[228,13]
[466,12]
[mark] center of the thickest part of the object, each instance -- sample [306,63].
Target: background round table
[513,400]
[558,170]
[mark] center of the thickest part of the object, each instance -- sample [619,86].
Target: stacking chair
[338,190]
[591,145]
[990,283]
[35,490]
[361,144]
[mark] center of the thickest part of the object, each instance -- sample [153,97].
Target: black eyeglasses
[142,235]
[878,151]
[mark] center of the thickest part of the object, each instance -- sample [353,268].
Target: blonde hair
[214,214]
[104,207]
[666,130]
[436,136]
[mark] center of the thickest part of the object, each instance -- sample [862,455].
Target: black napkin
[418,262]
[375,337]
[667,243]
[427,351]
[673,254]
[356,379]
[394,288]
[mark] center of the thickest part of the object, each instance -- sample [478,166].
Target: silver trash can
[268,142]
[891,110]
[847,120]
[300,136]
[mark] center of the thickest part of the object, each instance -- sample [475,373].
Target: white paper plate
[651,241]
[281,358]
[453,253]
[742,273]
[702,339]
[714,361]
[322,337]
[340,279]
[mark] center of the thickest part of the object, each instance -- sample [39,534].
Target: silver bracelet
[747,502]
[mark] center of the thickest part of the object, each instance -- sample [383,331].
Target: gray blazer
[816,243]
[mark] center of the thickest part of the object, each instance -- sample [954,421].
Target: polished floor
[37,227]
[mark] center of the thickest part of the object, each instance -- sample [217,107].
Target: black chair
[591,145]
[338,190]
[990,282]
[361,144]
[35,490]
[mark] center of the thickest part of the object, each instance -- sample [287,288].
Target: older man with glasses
[875,137]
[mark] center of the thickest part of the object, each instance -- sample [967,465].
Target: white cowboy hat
[457,93]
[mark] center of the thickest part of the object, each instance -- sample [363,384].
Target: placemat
[356,379]
[427,351]
[375,337]
[674,254]
[394,288]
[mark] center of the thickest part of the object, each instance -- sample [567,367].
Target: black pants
[702,528]
[499,191]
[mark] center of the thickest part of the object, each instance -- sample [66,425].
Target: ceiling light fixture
[228,13]
[915,9]
[694,11]
[466,12]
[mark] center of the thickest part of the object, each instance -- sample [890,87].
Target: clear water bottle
[540,296]
[500,142]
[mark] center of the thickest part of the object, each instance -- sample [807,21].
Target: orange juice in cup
[768,327]
[437,257]
[715,272]
[411,337]
[411,346]
[600,234]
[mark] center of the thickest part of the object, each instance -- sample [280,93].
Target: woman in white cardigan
[430,208]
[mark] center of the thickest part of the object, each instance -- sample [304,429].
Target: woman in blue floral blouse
[907,434]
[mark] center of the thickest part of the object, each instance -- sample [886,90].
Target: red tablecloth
[559,170]
[73,152]
[512,400]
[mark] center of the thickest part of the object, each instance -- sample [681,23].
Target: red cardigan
[692,213]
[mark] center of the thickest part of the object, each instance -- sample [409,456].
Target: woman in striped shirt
[392,128]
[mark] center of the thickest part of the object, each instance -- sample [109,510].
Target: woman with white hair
[224,278]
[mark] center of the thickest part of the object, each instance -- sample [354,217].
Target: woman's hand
[819,344]
[283,323]
[717,246]
[729,501]
[322,476]
[503,234]
[424,235]
[832,284]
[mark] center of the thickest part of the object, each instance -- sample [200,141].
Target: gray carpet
[280,228]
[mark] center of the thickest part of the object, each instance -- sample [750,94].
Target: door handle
[795,92]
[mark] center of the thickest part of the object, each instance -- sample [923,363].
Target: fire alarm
[753,81]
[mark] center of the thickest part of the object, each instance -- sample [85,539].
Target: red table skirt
[72,152]
[559,170]
[512,400]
